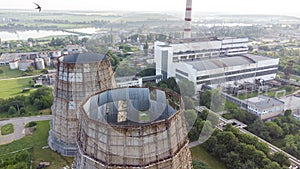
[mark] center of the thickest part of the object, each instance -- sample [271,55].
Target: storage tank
[13,64]
[39,63]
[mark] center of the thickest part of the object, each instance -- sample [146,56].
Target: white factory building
[212,61]
[265,107]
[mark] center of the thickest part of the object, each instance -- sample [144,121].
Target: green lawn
[7,129]
[37,141]
[7,73]
[198,153]
[9,88]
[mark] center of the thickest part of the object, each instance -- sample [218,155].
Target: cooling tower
[78,76]
[132,128]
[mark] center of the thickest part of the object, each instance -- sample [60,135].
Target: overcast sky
[284,7]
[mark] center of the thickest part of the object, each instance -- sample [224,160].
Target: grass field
[38,140]
[9,88]
[198,153]
[7,129]
[7,73]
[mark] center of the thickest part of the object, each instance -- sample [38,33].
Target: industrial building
[132,128]
[78,75]
[265,107]
[212,61]
[25,64]
[39,63]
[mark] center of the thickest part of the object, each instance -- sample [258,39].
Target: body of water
[24,35]
[90,30]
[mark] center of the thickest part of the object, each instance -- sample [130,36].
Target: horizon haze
[266,7]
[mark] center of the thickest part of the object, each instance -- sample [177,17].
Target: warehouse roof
[257,58]
[264,102]
[222,62]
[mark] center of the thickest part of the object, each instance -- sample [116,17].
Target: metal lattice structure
[132,128]
[78,76]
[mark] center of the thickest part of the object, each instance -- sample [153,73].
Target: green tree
[22,111]
[44,71]
[200,165]
[190,117]
[31,83]
[288,112]
[170,83]
[188,103]
[146,47]
[205,98]
[30,69]
[281,159]
[32,124]
[275,130]
[12,110]
[187,88]
[272,165]
[217,100]
[42,98]
[147,72]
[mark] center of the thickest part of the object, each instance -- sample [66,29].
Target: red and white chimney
[188,19]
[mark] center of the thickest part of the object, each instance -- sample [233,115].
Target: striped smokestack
[188,19]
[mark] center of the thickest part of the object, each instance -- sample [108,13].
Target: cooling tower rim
[136,125]
[82,58]
[132,126]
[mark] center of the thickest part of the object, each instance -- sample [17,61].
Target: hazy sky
[285,7]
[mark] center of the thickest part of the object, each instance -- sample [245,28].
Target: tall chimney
[188,19]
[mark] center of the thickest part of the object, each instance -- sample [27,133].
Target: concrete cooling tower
[132,128]
[78,76]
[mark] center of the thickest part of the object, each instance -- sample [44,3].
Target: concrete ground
[19,127]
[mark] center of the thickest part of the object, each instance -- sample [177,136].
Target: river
[24,35]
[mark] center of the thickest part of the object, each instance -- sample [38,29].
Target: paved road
[19,129]
[22,77]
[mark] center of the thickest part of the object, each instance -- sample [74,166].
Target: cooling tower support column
[188,19]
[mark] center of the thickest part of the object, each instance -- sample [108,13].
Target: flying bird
[38,7]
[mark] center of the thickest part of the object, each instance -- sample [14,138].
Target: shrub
[31,124]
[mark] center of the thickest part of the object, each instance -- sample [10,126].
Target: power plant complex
[212,61]
[106,127]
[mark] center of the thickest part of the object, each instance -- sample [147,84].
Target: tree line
[284,129]
[19,160]
[40,99]
[242,151]
[235,149]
